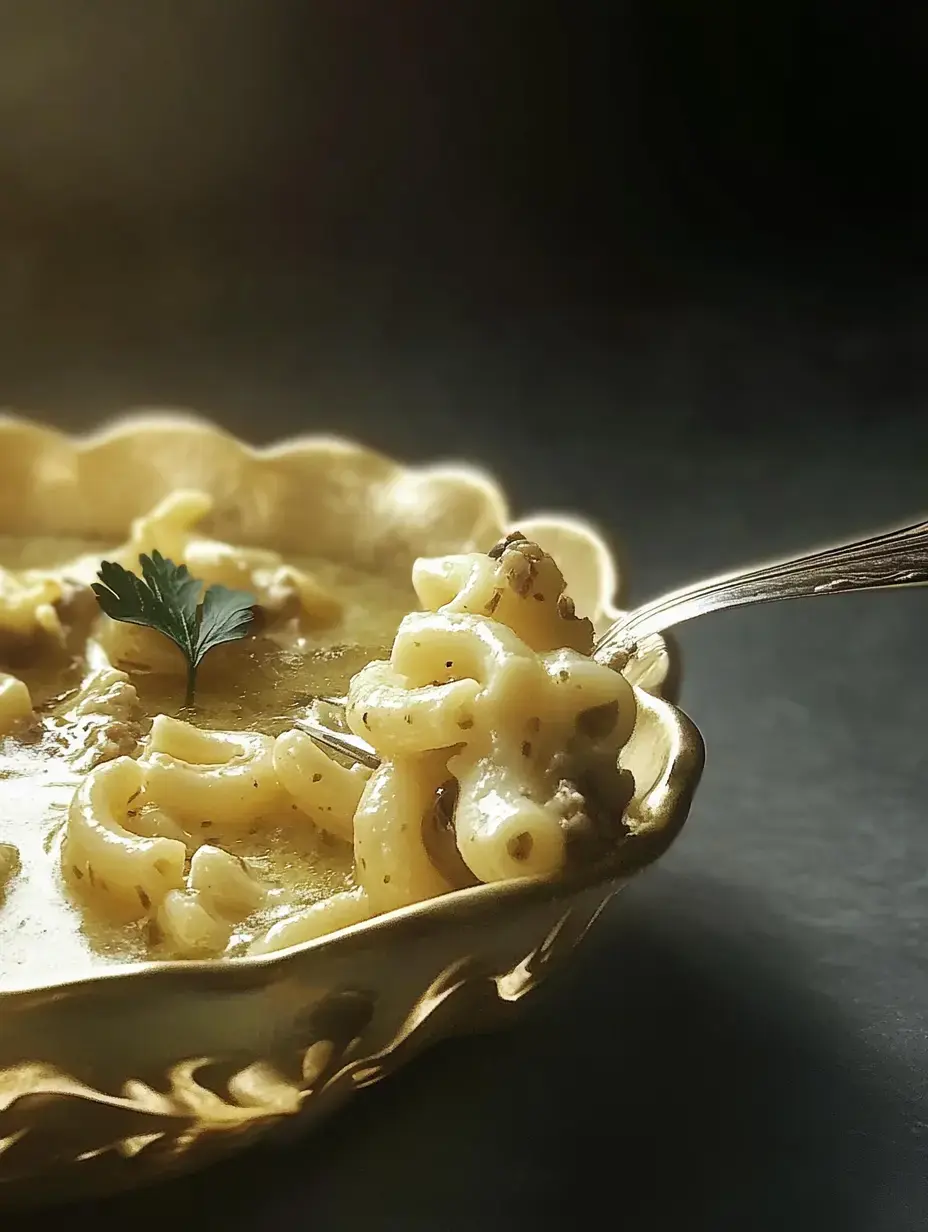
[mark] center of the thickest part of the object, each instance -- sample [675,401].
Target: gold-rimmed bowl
[151,1068]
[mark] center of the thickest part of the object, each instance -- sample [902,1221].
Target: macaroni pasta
[195,774]
[491,693]
[15,703]
[27,605]
[212,834]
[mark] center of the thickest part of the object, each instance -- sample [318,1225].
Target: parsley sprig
[167,599]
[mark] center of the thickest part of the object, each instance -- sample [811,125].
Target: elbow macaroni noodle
[195,774]
[143,874]
[15,703]
[487,696]
[27,604]
[224,882]
[391,859]
[524,710]
[220,891]
[320,787]
[520,586]
[487,688]
[131,871]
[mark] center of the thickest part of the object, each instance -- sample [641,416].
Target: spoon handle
[891,558]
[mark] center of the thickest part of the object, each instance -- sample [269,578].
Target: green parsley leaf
[166,598]
[225,616]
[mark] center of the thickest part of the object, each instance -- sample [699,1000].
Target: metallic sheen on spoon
[894,558]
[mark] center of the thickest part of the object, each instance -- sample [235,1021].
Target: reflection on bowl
[117,1079]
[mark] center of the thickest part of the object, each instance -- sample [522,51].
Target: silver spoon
[893,558]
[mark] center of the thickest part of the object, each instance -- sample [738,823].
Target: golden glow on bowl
[146,1069]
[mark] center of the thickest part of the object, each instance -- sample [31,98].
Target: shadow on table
[684,1074]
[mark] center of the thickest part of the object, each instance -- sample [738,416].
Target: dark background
[658,262]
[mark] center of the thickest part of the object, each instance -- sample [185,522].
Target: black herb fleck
[566,608]
[496,551]
[520,847]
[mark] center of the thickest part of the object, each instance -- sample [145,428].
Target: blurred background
[445,226]
[327,210]
[657,261]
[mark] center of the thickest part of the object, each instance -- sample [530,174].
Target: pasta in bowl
[270,927]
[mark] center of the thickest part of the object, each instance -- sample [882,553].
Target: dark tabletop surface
[742,1042]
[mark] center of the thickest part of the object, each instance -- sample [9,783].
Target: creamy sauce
[259,684]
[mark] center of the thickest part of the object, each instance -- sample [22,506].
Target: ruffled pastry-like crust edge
[315,495]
